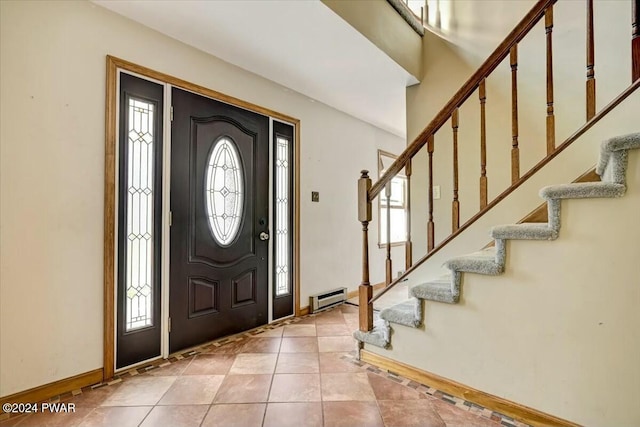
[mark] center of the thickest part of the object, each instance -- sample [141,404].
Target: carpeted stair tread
[481,262]
[408,313]
[439,290]
[583,190]
[524,231]
[616,148]
[378,336]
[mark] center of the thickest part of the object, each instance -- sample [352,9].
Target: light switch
[315,196]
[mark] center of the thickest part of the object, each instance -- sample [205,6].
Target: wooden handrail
[499,54]
[581,131]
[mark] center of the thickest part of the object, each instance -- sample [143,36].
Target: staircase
[611,167]
[521,292]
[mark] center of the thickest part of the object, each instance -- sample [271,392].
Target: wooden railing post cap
[364,173]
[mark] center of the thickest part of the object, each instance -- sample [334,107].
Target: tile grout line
[164,394]
[273,375]
[206,414]
[145,417]
[376,400]
[320,379]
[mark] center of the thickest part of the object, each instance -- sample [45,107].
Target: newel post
[365,291]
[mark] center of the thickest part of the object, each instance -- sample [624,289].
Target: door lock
[264,236]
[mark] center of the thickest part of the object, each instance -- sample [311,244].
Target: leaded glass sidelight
[282,208]
[224,191]
[139,225]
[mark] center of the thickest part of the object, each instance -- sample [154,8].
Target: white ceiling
[302,45]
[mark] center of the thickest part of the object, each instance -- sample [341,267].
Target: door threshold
[280,319]
[137,365]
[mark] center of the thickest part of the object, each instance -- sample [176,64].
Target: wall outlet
[315,196]
[436,192]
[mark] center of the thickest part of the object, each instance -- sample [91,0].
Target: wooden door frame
[110,215]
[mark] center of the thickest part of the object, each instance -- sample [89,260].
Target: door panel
[218,287]
[139,220]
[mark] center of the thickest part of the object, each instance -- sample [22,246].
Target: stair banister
[509,47]
[500,53]
[525,177]
[368,192]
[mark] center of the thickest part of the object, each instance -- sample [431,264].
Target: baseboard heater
[327,299]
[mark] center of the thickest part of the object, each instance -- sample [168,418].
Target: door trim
[114,64]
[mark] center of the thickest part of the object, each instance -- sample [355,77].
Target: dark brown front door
[220,224]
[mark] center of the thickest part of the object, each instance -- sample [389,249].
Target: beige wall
[52,156]
[559,331]
[378,21]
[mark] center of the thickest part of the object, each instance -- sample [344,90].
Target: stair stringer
[560,330]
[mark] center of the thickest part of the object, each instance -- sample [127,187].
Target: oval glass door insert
[224,191]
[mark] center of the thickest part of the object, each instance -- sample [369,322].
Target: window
[223,192]
[139,226]
[282,216]
[397,203]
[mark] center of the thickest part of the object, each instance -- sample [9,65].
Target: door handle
[264,236]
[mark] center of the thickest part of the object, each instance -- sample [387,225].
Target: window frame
[382,201]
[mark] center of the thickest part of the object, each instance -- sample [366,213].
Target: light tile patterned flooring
[299,373]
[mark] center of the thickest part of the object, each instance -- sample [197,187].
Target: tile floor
[301,373]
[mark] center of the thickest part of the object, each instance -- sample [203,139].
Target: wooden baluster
[483,144]
[455,205]
[591,80]
[365,291]
[387,193]
[430,224]
[515,149]
[551,124]
[635,41]
[408,246]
